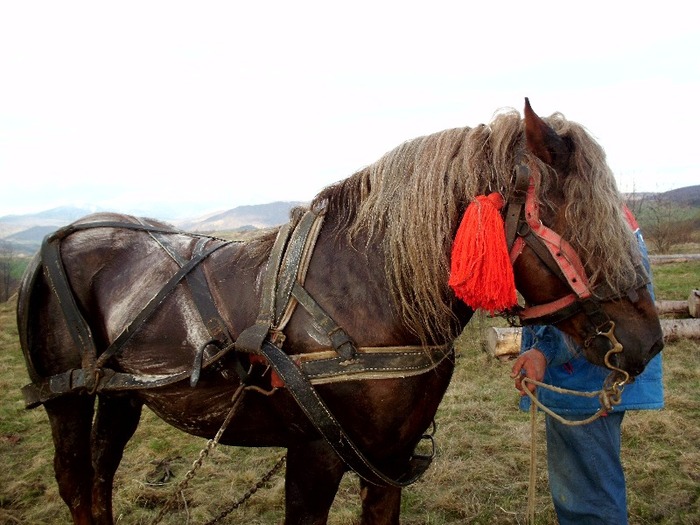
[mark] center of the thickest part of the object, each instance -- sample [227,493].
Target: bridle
[524,227]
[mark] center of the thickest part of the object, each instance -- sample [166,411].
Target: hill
[24,233]
[242,218]
[689,196]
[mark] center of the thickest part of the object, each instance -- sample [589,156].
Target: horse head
[582,255]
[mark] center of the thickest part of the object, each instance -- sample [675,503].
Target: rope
[610,396]
[607,400]
[533,467]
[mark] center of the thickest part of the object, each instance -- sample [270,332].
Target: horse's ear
[544,142]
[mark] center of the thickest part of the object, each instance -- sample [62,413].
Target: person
[586,477]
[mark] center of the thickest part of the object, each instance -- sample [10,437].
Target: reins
[609,396]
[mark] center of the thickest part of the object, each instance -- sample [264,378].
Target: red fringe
[481,274]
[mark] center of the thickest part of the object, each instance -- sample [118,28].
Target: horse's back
[114,271]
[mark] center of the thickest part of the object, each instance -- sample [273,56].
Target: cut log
[668,259]
[672,307]
[504,343]
[694,303]
[675,329]
[690,307]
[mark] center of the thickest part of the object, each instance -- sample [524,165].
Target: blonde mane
[411,200]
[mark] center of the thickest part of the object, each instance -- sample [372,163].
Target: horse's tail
[24,311]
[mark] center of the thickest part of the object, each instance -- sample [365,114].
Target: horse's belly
[258,420]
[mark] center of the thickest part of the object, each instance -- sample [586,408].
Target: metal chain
[237,396]
[250,492]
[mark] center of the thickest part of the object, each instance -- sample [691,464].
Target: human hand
[532,364]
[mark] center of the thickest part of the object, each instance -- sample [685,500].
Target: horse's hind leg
[115,423]
[71,419]
[380,505]
[313,474]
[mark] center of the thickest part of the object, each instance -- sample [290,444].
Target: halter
[524,227]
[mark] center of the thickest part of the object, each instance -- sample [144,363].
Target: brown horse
[102,317]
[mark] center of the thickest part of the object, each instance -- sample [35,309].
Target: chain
[237,396]
[250,492]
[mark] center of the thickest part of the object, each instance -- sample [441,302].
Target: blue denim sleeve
[548,340]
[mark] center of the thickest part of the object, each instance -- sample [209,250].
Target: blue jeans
[585,472]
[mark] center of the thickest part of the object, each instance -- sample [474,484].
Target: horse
[117,312]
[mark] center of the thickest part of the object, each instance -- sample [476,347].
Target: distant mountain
[54,217]
[690,195]
[29,240]
[242,217]
[25,232]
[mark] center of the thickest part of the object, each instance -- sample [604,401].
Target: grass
[674,281]
[479,476]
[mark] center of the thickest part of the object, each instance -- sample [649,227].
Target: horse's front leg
[115,422]
[313,475]
[380,505]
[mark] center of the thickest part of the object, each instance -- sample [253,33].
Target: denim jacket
[567,368]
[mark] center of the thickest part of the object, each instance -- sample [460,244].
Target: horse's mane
[412,198]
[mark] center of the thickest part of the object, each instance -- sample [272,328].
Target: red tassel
[481,274]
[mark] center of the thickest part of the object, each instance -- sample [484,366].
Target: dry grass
[479,476]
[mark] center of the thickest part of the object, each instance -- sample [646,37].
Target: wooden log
[675,329]
[694,303]
[679,258]
[504,343]
[690,307]
[665,307]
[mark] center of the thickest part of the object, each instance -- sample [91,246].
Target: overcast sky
[211,105]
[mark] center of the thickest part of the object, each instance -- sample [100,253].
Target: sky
[177,108]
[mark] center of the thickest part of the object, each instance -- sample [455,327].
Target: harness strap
[291,270]
[78,328]
[75,380]
[204,301]
[251,339]
[341,341]
[561,254]
[92,376]
[552,312]
[153,305]
[286,269]
[371,363]
[324,421]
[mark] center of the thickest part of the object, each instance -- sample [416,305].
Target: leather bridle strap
[561,259]
[557,254]
[566,261]
[516,202]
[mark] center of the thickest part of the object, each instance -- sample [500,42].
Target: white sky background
[210,105]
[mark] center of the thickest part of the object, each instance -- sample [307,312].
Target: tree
[7,263]
[664,220]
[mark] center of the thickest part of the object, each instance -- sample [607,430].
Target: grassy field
[479,476]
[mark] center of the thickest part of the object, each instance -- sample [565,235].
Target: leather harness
[282,291]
